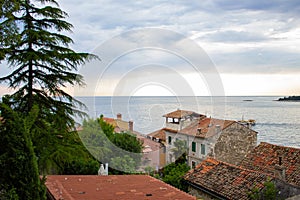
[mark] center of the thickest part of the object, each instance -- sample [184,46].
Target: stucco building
[225,140]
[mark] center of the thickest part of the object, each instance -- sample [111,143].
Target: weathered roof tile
[265,157]
[92,187]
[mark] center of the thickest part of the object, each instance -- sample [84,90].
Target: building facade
[225,140]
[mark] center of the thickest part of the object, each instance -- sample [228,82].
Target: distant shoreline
[290,98]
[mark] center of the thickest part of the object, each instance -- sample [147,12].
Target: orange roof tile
[266,156]
[207,127]
[181,113]
[90,187]
[158,134]
[110,121]
[226,180]
[118,124]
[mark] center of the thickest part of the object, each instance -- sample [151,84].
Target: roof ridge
[281,146]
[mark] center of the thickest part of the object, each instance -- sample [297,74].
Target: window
[203,149]
[193,146]
[193,164]
[170,140]
[176,121]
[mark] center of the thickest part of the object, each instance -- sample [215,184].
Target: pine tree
[34,46]
[19,177]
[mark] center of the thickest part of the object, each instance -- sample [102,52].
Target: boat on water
[249,122]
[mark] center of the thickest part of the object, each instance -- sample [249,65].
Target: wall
[234,143]
[199,194]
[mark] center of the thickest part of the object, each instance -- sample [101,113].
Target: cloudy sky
[253,46]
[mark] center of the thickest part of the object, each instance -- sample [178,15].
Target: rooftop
[225,180]
[90,187]
[118,124]
[206,127]
[266,156]
[181,114]
[160,134]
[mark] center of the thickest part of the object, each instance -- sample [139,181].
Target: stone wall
[199,194]
[234,143]
[286,190]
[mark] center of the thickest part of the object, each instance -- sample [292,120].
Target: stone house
[281,161]
[213,179]
[225,140]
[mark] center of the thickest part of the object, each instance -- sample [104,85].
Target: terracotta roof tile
[119,124]
[160,134]
[207,127]
[90,187]
[228,181]
[181,113]
[266,156]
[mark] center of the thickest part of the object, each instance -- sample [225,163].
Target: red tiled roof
[226,180]
[181,113]
[207,126]
[159,134]
[265,156]
[91,187]
[110,121]
[118,124]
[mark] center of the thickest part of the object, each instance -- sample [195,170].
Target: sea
[277,122]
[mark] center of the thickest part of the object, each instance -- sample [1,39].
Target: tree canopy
[19,176]
[121,150]
[33,44]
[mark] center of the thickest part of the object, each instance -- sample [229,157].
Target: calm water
[276,122]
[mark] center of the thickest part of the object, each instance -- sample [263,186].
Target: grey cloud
[235,36]
[265,61]
[230,22]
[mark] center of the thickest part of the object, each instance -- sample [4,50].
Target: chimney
[103,171]
[106,168]
[119,116]
[280,169]
[199,131]
[130,125]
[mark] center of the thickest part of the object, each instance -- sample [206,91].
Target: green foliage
[57,150]
[149,170]
[125,164]
[19,175]
[173,173]
[269,192]
[82,167]
[42,62]
[121,150]
[8,194]
[179,149]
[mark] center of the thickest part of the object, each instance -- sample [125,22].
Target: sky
[208,47]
